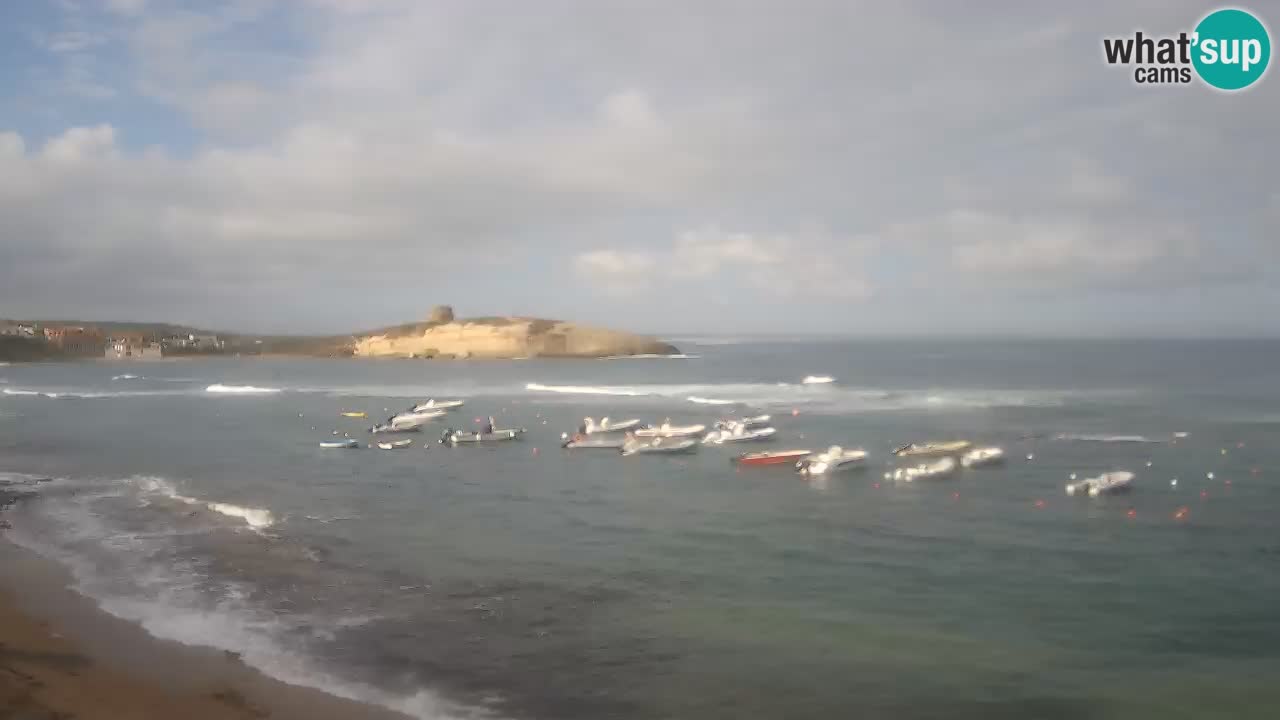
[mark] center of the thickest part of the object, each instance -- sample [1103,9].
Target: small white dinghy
[953,447]
[591,427]
[758,421]
[340,444]
[578,441]
[738,433]
[660,446]
[417,417]
[395,444]
[667,430]
[434,404]
[835,459]
[1105,484]
[926,471]
[389,428]
[459,437]
[982,457]
[1111,483]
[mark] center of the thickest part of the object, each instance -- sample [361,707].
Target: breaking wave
[1108,438]
[709,401]
[127,377]
[817,380]
[240,389]
[256,518]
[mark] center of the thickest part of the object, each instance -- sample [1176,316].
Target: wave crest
[240,389]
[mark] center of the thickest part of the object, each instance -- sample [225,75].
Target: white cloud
[342,139]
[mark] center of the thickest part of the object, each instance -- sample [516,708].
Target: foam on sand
[240,389]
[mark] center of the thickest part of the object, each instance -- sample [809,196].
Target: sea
[520,580]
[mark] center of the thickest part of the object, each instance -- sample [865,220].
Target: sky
[675,167]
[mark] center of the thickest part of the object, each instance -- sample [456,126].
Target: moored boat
[352,414]
[395,444]
[660,446]
[982,457]
[389,428]
[460,437]
[834,459]
[750,422]
[738,433]
[773,457]
[667,430]
[953,447]
[927,471]
[340,444]
[578,441]
[417,417]
[591,427]
[434,404]
[1111,483]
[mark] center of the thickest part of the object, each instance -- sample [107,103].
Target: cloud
[778,265]
[261,154]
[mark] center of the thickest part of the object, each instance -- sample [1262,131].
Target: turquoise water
[525,581]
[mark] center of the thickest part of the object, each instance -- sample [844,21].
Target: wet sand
[61,658]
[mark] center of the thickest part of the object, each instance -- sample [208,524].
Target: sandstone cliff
[507,337]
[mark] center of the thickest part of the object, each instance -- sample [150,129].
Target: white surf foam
[588,390]
[817,380]
[709,401]
[240,389]
[10,391]
[1107,438]
[256,518]
[127,377]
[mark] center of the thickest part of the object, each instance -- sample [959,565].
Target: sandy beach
[62,659]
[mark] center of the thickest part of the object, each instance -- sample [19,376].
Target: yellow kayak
[355,414]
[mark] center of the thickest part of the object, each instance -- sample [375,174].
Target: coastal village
[89,341]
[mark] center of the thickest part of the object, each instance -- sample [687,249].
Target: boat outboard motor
[445,436]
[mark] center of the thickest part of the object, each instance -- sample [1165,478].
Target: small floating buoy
[1072,476]
[535,451]
[299,414]
[1149,463]
[887,476]
[794,412]
[1224,451]
[1181,513]
[1209,475]
[313,427]
[1132,513]
[335,432]
[1173,482]
[1031,456]
[1040,503]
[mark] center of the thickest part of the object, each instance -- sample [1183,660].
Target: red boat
[775,457]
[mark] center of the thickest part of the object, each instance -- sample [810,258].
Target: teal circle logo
[1231,49]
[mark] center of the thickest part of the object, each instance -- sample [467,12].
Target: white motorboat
[389,428]
[982,457]
[395,444]
[417,417]
[954,447]
[738,433]
[458,437]
[926,471]
[667,430]
[591,427]
[667,446]
[434,404]
[578,441]
[835,459]
[758,421]
[1111,483]
[340,444]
